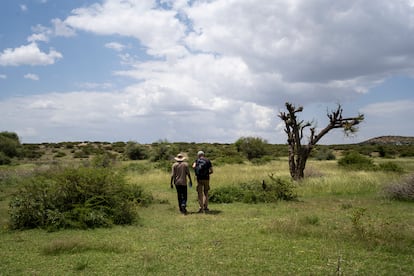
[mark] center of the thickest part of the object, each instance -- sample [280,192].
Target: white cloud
[28,55]
[157,29]
[231,63]
[393,109]
[115,46]
[3,77]
[38,37]
[60,28]
[31,77]
[295,48]
[94,85]
[23,7]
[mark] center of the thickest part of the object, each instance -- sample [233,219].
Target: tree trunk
[297,167]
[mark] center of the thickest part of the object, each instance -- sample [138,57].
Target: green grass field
[341,225]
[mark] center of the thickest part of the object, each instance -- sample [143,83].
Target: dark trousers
[181,196]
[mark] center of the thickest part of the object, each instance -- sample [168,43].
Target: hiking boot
[206,209]
[200,210]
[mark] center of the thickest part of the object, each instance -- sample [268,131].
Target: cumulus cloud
[32,77]
[231,63]
[159,30]
[60,28]
[28,55]
[43,33]
[293,49]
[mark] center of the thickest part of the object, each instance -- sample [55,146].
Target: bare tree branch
[298,153]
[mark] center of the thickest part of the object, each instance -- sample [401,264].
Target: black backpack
[202,167]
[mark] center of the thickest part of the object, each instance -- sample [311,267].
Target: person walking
[203,168]
[179,174]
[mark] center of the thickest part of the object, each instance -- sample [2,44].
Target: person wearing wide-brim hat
[179,173]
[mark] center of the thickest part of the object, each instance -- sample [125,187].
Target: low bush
[4,159]
[75,198]
[324,154]
[164,165]
[390,167]
[140,167]
[354,160]
[403,190]
[9,144]
[135,151]
[261,161]
[273,190]
[235,159]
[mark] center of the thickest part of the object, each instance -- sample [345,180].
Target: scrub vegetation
[347,216]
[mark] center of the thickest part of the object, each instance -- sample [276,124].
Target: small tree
[135,151]
[9,144]
[298,153]
[252,147]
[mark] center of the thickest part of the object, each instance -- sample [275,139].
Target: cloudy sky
[203,71]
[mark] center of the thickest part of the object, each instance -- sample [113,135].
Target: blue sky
[202,71]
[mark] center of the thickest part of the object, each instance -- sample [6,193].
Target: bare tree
[298,153]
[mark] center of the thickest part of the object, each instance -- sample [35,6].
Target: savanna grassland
[340,224]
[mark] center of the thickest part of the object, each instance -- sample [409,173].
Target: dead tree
[298,153]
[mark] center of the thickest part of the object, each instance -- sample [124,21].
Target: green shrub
[164,165]
[135,151]
[4,159]
[274,190]
[390,167]
[235,159]
[403,190]
[75,198]
[261,161]
[354,160]
[252,147]
[80,154]
[105,160]
[141,168]
[9,144]
[324,154]
[163,151]
[32,151]
[226,194]
[59,154]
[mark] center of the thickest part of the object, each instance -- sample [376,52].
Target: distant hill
[390,140]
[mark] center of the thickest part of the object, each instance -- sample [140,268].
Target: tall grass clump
[75,198]
[402,190]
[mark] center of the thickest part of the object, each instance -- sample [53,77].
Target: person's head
[180,157]
[200,153]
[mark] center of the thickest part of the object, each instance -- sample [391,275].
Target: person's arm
[210,170]
[189,177]
[172,177]
[190,181]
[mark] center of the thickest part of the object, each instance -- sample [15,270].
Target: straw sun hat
[180,157]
